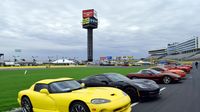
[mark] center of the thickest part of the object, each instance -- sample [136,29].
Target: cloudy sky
[126,27]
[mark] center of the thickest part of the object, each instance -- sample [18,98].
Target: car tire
[167,79]
[26,105]
[79,107]
[132,94]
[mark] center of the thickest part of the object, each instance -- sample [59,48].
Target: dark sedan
[137,89]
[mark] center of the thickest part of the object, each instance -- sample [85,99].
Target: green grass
[12,81]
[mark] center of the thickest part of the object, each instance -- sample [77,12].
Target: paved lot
[178,97]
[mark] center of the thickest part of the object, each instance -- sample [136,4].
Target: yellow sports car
[67,95]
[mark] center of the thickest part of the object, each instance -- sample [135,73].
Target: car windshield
[64,86]
[117,77]
[162,68]
[155,72]
[159,69]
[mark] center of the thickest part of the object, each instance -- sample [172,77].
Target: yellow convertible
[67,95]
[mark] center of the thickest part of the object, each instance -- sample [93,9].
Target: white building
[183,47]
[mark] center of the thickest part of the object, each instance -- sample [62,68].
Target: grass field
[12,81]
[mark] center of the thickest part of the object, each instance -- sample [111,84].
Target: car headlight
[125,94]
[152,82]
[99,101]
[142,86]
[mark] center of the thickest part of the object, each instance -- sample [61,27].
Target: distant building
[1,59]
[171,48]
[191,45]
[158,52]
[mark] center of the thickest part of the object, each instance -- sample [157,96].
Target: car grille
[121,108]
[150,93]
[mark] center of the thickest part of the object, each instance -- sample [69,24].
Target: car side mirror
[44,91]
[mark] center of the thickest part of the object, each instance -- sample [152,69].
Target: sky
[52,28]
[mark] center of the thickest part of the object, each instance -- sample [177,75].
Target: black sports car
[137,89]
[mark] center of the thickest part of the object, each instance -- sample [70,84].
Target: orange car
[182,67]
[181,73]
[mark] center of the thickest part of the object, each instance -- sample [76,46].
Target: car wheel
[26,105]
[167,79]
[79,107]
[132,94]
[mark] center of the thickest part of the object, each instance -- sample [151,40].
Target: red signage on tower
[89,13]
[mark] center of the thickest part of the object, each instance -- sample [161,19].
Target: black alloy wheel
[26,105]
[79,107]
[132,94]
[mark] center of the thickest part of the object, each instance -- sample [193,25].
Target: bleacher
[155,57]
[194,57]
[185,56]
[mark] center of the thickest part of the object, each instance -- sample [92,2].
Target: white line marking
[162,89]
[15,110]
[25,72]
[134,104]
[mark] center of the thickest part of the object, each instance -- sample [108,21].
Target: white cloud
[133,28]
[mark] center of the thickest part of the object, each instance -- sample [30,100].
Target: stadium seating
[195,57]
[186,56]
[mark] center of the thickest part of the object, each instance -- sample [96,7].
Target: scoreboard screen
[89,19]
[89,13]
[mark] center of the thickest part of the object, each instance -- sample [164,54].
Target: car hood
[99,92]
[178,71]
[171,74]
[145,84]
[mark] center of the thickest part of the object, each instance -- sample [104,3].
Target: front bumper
[121,105]
[19,101]
[177,79]
[149,93]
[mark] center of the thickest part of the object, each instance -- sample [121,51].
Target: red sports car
[155,75]
[184,68]
[181,73]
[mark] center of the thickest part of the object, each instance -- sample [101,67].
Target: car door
[151,75]
[146,74]
[42,101]
[104,80]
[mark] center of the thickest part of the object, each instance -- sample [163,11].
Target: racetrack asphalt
[183,96]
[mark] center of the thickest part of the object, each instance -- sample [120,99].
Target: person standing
[196,64]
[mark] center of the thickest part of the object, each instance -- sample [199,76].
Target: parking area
[179,97]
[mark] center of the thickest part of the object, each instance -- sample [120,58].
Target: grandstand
[184,51]
[194,57]
[157,54]
[185,56]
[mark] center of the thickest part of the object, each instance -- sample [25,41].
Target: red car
[157,76]
[184,68]
[181,73]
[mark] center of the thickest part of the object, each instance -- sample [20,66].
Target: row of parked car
[108,92]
